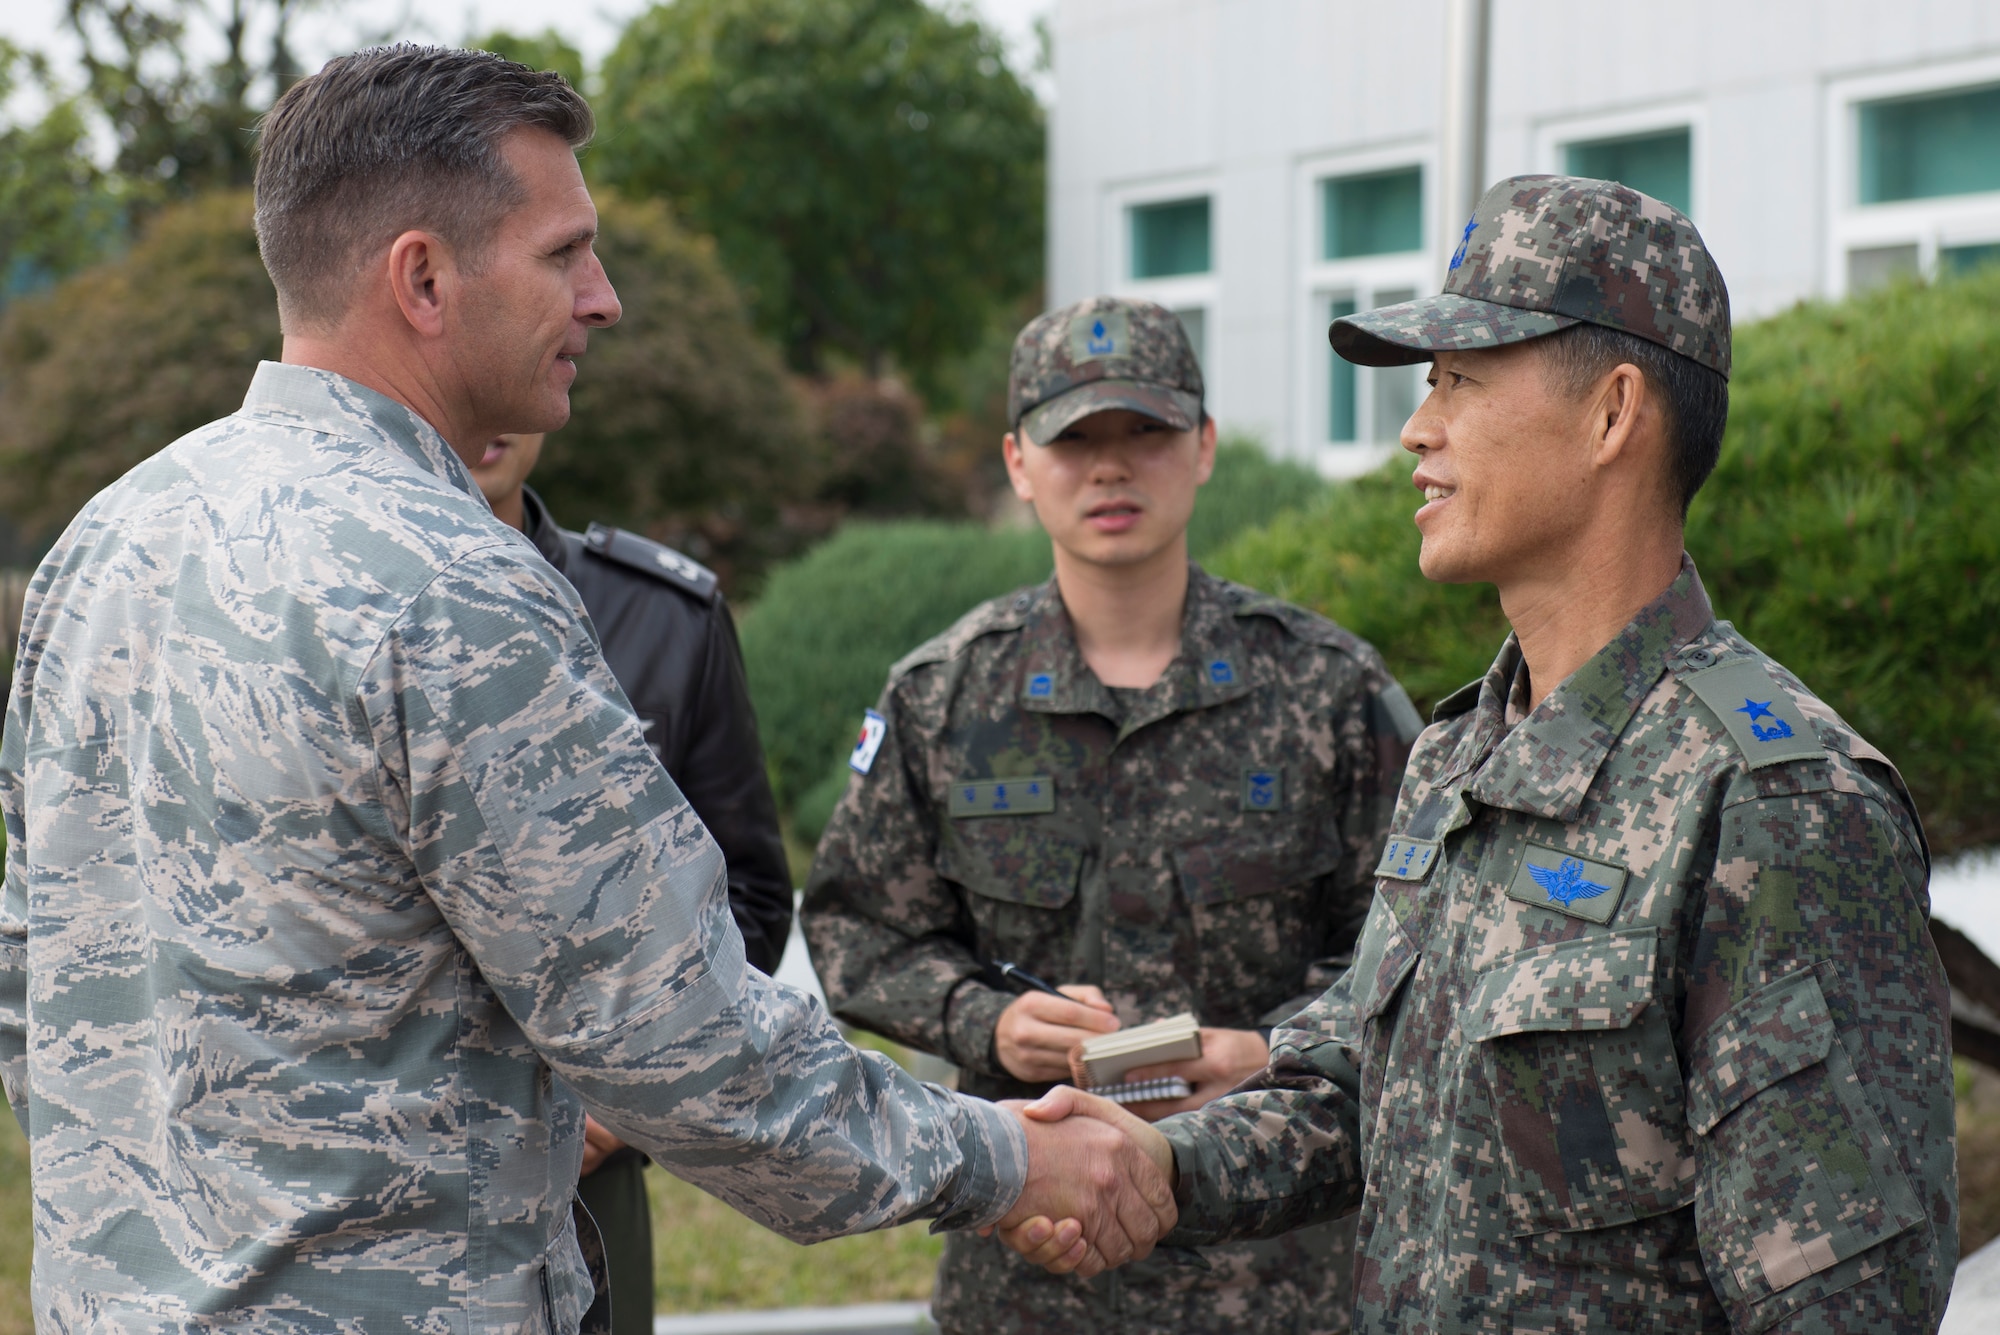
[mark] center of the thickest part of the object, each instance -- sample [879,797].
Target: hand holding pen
[1037,1030]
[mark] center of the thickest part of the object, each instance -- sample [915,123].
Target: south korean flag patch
[865,746]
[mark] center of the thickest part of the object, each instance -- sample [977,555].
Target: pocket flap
[1399,956]
[1011,858]
[1781,1028]
[1243,869]
[1600,981]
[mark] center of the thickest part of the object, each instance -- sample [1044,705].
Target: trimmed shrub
[819,642]
[1849,531]
[821,639]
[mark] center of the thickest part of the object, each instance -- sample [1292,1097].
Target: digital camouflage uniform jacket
[329,839]
[1204,846]
[1645,1032]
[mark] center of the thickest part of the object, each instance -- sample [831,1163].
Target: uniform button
[1700,658]
[1024,602]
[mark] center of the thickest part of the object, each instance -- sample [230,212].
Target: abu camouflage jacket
[1206,845]
[1645,1031]
[330,843]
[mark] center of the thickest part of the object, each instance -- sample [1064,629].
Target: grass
[16,1235]
[708,1258]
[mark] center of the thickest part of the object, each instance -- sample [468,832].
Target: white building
[1263,165]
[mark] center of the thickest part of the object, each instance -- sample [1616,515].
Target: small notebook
[1104,1060]
[1142,1091]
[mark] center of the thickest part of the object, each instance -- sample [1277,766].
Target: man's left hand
[1228,1058]
[599,1144]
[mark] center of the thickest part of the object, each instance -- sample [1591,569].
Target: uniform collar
[1544,766]
[317,400]
[541,529]
[1209,669]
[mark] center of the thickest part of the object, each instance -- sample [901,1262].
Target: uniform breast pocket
[1585,1086]
[1258,925]
[1022,874]
[1797,1172]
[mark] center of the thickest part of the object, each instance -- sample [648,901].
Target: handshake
[1100,1185]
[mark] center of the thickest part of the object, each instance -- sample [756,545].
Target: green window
[1923,147]
[1659,163]
[1170,239]
[1340,386]
[1953,260]
[1380,213]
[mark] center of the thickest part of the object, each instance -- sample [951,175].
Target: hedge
[820,640]
[1852,530]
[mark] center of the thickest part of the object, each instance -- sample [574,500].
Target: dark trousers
[615,1195]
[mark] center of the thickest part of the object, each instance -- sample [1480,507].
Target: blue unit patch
[1101,341]
[1566,883]
[1221,673]
[1041,686]
[1028,795]
[1263,790]
[1555,878]
[1407,859]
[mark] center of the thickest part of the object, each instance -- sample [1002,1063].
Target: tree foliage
[820,640]
[682,422]
[59,210]
[110,365]
[178,122]
[1848,531]
[871,169]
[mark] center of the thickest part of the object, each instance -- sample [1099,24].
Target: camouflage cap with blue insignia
[1541,253]
[1102,353]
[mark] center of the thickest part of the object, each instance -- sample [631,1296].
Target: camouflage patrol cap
[1542,253]
[1105,352]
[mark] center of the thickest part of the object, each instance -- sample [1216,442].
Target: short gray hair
[388,140]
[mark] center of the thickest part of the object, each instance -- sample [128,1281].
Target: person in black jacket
[669,639]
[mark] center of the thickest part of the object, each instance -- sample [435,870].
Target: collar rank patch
[1041,686]
[1407,859]
[1552,878]
[1263,790]
[1221,673]
[1758,714]
[1028,795]
[873,729]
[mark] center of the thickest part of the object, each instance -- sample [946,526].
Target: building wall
[1253,102]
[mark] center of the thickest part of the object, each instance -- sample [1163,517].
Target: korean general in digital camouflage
[1645,1031]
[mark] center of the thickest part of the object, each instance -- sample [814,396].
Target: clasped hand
[1100,1185]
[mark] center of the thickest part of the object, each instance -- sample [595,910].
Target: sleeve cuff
[972,1016]
[1199,1176]
[995,1167]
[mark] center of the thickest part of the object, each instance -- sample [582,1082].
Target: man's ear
[1011,446]
[419,273]
[1204,466]
[1618,414]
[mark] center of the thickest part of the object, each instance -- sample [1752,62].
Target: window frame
[1321,281]
[1930,224]
[1181,292]
[1554,136]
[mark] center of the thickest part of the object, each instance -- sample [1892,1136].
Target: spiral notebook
[1143,1091]
[1103,1061]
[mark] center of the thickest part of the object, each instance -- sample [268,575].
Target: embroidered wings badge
[1566,883]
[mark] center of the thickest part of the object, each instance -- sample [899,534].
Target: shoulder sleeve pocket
[1796,1178]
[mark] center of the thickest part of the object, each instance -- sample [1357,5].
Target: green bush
[1849,530]
[820,640]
